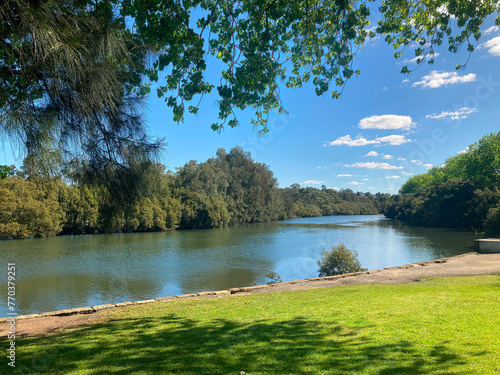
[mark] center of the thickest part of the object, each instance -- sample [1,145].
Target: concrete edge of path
[311,283]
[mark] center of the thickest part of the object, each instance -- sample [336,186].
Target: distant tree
[81,209]
[458,194]
[27,210]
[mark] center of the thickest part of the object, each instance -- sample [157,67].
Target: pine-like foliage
[67,83]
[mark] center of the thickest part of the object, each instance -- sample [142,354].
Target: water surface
[66,272]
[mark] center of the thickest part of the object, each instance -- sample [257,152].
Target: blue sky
[386,128]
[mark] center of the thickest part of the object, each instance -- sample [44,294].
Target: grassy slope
[437,326]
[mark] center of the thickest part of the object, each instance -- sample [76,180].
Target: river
[75,271]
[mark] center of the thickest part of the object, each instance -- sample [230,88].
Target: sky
[386,127]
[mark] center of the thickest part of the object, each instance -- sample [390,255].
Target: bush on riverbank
[339,260]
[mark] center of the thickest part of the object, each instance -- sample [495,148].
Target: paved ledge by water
[462,265]
[488,245]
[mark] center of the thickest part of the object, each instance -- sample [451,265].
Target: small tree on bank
[338,261]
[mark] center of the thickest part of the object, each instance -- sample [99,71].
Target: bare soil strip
[469,264]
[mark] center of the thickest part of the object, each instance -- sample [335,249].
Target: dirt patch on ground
[463,265]
[51,324]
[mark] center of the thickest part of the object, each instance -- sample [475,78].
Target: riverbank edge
[224,292]
[169,230]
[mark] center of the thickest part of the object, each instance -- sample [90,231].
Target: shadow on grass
[175,345]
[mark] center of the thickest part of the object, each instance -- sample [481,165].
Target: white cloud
[386,122]
[443,9]
[372,153]
[493,46]
[376,37]
[393,177]
[347,140]
[401,158]
[373,165]
[365,179]
[333,188]
[461,113]
[371,187]
[312,182]
[393,140]
[419,162]
[437,79]
[406,173]
[387,157]
[344,175]
[414,60]
[355,183]
[406,80]
[492,29]
[463,151]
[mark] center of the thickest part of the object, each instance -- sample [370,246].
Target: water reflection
[64,272]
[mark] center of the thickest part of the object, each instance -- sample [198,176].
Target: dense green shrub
[338,261]
[492,223]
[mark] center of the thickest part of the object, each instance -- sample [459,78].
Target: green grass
[437,326]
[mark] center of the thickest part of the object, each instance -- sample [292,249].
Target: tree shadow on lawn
[176,345]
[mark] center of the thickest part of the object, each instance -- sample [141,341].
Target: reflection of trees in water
[47,292]
[219,279]
[440,241]
[238,235]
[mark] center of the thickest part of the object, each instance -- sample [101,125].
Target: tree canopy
[74,74]
[463,193]
[479,164]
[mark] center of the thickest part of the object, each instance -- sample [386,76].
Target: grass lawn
[436,326]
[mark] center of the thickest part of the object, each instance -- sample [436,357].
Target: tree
[480,165]
[28,210]
[428,24]
[262,42]
[74,73]
[492,223]
[4,171]
[69,83]
[339,260]
[462,193]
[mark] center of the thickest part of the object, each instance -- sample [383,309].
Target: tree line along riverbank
[230,188]
[463,192]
